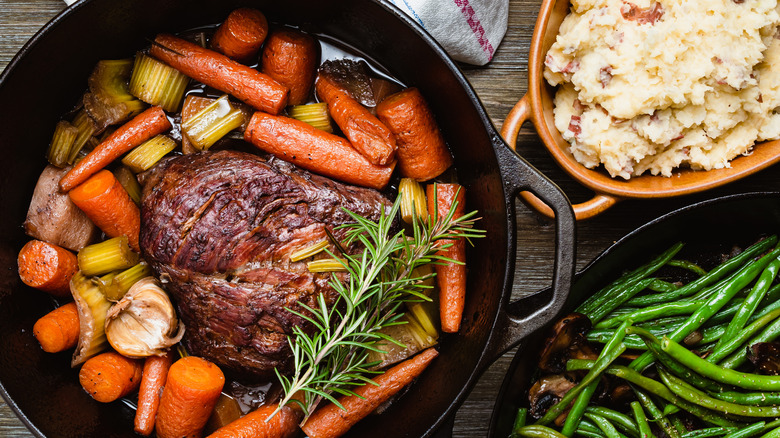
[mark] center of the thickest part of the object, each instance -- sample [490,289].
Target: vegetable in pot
[92,308]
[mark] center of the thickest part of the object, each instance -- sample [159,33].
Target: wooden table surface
[499,85]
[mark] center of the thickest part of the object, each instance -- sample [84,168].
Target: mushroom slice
[546,392]
[566,335]
[766,357]
[143,323]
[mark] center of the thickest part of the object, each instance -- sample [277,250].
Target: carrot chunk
[47,267]
[331,421]
[110,376]
[240,36]
[254,425]
[107,204]
[290,58]
[217,70]
[141,128]
[315,150]
[451,277]
[152,381]
[422,153]
[58,330]
[191,391]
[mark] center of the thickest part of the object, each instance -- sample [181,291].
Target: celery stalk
[212,123]
[157,84]
[309,251]
[149,153]
[61,143]
[104,257]
[92,307]
[413,200]
[115,285]
[129,182]
[325,265]
[315,114]
[87,128]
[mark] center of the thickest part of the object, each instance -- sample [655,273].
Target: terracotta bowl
[537,106]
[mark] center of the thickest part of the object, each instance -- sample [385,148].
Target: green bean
[522,415]
[770,303]
[589,433]
[751,302]
[775,433]
[740,279]
[771,425]
[712,277]
[537,431]
[614,288]
[769,334]
[718,373]
[726,348]
[747,431]
[709,432]
[668,324]
[611,351]
[672,365]
[616,301]
[578,408]
[620,420]
[652,312]
[660,390]
[749,398]
[587,425]
[693,395]
[641,420]
[670,410]
[659,285]
[603,424]
[655,413]
[690,266]
[678,424]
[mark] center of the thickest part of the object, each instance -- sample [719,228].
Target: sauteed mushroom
[566,340]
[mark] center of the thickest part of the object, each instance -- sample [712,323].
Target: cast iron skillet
[48,76]
[707,227]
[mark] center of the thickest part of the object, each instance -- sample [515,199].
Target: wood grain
[499,85]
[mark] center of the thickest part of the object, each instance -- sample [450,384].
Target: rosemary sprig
[334,357]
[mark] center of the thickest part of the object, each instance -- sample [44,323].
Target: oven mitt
[469,30]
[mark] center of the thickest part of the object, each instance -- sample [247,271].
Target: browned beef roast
[220,228]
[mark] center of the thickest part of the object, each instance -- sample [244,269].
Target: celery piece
[129,181]
[408,338]
[62,141]
[109,101]
[315,114]
[424,313]
[326,265]
[115,285]
[212,123]
[104,257]
[92,307]
[87,128]
[157,84]
[309,251]
[413,201]
[149,153]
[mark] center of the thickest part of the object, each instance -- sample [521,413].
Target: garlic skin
[143,323]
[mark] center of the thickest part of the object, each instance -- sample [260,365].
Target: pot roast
[219,227]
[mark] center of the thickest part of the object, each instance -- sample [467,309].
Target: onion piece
[93,307]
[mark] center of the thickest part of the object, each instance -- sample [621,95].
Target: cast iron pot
[49,75]
[709,227]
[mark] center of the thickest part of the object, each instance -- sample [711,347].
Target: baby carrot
[110,376]
[141,128]
[191,391]
[450,276]
[58,330]
[254,425]
[332,421]
[47,267]
[107,204]
[152,381]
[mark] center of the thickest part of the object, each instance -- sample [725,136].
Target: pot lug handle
[584,210]
[519,319]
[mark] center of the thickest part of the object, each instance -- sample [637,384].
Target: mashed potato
[653,85]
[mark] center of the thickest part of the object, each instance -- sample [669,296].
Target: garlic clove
[143,323]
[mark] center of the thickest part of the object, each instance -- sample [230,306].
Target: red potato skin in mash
[219,71]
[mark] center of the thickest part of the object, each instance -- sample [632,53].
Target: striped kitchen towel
[469,30]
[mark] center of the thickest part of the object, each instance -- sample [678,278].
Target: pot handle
[585,210]
[519,319]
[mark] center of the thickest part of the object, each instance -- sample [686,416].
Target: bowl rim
[682,182]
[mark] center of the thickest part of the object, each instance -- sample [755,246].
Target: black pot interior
[50,75]
[707,228]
